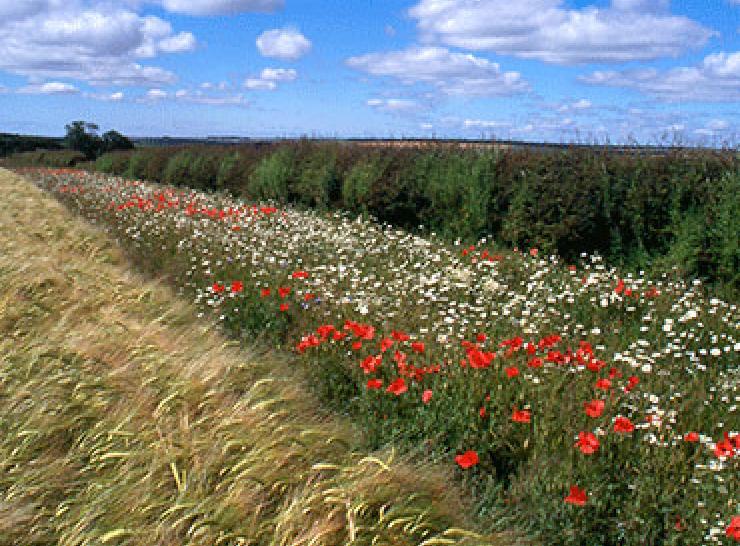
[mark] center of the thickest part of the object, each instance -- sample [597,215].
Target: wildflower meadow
[578,403]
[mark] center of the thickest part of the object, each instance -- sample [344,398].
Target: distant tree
[83,137]
[113,140]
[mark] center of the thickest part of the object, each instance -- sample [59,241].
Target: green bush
[271,177]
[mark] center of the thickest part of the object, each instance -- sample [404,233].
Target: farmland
[126,421]
[575,402]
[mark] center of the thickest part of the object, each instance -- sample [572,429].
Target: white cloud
[284,43]
[543,29]
[198,97]
[451,73]
[49,88]
[118,96]
[577,106]
[269,78]
[222,7]
[279,74]
[484,124]
[716,79]
[259,84]
[155,95]
[394,106]
[97,42]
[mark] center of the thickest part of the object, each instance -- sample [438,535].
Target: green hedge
[44,158]
[635,209]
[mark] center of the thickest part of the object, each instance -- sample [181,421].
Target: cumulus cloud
[627,30]
[222,7]
[99,43]
[450,73]
[198,97]
[394,106]
[49,88]
[484,124]
[716,79]
[287,44]
[269,78]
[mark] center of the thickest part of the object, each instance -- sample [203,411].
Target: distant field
[583,405]
[125,422]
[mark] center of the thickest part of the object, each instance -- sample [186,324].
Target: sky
[619,71]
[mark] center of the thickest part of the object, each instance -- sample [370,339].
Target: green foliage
[635,209]
[44,158]
[271,177]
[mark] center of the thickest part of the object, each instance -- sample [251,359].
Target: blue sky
[554,70]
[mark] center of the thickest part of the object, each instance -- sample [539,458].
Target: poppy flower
[371,364]
[511,372]
[535,363]
[533,252]
[724,448]
[284,291]
[691,437]
[587,442]
[623,425]
[385,344]
[264,292]
[338,336]
[217,288]
[237,286]
[284,307]
[309,297]
[426,396]
[356,345]
[300,275]
[374,383]
[521,416]
[398,387]
[594,408]
[604,384]
[480,338]
[733,529]
[399,336]
[482,411]
[577,496]
[417,347]
[467,459]
[631,383]
[325,330]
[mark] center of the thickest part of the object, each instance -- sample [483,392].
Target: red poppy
[300,275]
[604,384]
[691,437]
[482,411]
[631,383]
[284,291]
[733,529]
[325,330]
[577,496]
[417,347]
[308,297]
[338,336]
[218,288]
[512,371]
[533,252]
[399,336]
[371,364]
[479,359]
[385,344]
[284,307]
[426,396]
[264,292]
[587,442]
[620,287]
[237,286]
[535,363]
[467,459]
[374,383]
[480,338]
[356,345]
[724,448]
[521,416]
[594,408]
[623,425]
[398,387]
